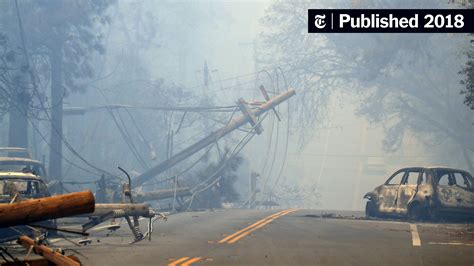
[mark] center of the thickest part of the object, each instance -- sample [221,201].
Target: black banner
[390,20]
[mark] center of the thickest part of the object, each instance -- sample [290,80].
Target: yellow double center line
[249,229]
[185,261]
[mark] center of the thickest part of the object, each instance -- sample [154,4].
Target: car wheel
[370,209]
[416,212]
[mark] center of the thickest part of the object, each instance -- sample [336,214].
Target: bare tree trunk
[18,117]
[18,125]
[57,93]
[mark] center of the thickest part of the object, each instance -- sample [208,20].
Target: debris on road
[34,210]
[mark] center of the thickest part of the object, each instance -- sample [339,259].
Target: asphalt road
[283,237]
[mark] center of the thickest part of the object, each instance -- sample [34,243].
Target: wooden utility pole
[163,194]
[48,253]
[30,211]
[212,138]
[123,209]
[104,212]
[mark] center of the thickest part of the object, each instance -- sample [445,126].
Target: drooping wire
[127,140]
[285,153]
[316,183]
[53,150]
[86,141]
[144,139]
[275,150]
[217,173]
[272,125]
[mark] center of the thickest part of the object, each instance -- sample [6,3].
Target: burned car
[22,186]
[17,186]
[423,193]
[22,165]
[15,152]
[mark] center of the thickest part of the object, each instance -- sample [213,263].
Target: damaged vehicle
[15,152]
[420,193]
[22,165]
[18,186]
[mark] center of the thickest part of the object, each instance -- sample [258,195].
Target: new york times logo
[320,21]
[390,20]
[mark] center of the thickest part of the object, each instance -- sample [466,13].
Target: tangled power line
[268,165]
[43,107]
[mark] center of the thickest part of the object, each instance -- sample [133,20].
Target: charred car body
[21,178]
[21,186]
[15,152]
[16,186]
[423,193]
[22,165]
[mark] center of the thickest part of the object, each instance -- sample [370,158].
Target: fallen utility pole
[127,209]
[29,211]
[213,137]
[49,254]
[108,211]
[163,194]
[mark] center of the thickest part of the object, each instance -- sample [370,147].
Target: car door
[455,190]
[465,190]
[407,189]
[389,191]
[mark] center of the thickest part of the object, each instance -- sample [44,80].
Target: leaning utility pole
[249,116]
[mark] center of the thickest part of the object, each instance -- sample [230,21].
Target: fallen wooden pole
[33,262]
[121,209]
[163,194]
[48,253]
[212,138]
[107,211]
[29,262]
[29,211]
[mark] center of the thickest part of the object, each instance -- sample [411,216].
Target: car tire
[371,209]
